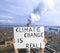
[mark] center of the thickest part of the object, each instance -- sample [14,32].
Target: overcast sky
[18,11]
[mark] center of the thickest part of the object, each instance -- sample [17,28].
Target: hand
[13,41]
[45,40]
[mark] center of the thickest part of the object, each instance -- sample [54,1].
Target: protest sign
[29,37]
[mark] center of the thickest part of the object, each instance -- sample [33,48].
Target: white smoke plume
[42,8]
[34,17]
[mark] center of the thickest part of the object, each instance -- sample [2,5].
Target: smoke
[35,17]
[41,9]
[49,4]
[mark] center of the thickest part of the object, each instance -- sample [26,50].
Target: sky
[17,12]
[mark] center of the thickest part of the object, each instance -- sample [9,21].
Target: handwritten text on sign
[29,37]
